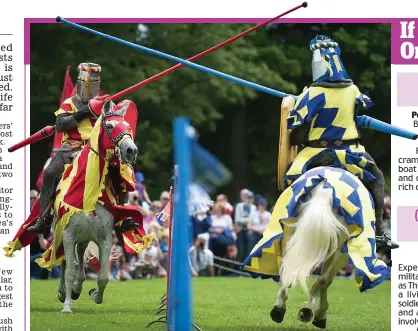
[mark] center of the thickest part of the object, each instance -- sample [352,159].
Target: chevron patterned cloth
[353,202]
[330,113]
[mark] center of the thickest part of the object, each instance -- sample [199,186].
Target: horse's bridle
[115,141]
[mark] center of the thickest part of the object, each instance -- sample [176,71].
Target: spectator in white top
[245,214]
[221,230]
[243,194]
[201,259]
[223,200]
[257,228]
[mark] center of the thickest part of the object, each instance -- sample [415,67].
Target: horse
[114,134]
[327,216]
[318,235]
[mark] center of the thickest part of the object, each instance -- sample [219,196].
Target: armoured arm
[65,122]
[69,121]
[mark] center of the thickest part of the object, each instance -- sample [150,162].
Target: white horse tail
[316,237]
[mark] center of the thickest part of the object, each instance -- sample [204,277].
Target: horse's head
[118,132]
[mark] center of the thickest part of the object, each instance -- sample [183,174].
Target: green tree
[236,123]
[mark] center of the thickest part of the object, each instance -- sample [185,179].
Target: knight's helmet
[88,81]
[326,61]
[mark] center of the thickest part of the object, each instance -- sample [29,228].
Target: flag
[208,173]
[68,90]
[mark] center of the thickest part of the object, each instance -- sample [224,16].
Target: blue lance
[362,121]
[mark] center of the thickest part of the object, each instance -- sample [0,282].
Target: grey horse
[96,227]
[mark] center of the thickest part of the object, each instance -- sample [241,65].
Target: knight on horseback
[323,122]
[75,118]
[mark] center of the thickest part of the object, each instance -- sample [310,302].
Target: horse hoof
[277,314]
[74,295]
[305,315]
[66,310]
[322,324]
[61,298]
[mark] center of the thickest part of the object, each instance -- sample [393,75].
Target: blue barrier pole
[372,123]
[180,278]
[170,295]
[177,59]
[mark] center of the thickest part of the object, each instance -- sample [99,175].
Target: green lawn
[219,304]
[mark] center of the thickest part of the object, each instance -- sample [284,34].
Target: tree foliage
[236,123]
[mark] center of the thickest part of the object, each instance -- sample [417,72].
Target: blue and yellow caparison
[352,200]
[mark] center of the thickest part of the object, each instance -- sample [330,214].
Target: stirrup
[39,227]
[386,241]
[42,224]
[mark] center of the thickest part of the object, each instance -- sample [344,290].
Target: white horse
[96,227]
[317,235]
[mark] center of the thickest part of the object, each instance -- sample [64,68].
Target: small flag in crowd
[68,90]
[165,214]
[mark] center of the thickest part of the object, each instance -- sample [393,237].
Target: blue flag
[208,173]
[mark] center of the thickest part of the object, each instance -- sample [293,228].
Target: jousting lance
[362,121]
[210,50]
[49,130]
[176,59]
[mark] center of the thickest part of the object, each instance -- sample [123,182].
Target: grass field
[219,304]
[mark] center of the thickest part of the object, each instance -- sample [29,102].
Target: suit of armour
[323,121]
[76,120]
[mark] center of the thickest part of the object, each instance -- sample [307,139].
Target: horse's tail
[316,237]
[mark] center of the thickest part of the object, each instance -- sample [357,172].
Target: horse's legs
[104,253]
[61,284]
[81,274]
[69,250]
[329,270]
[279,309]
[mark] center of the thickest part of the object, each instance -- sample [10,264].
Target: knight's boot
[383,240]
[43,223]
[126,225]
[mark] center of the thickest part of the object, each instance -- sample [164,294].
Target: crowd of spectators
[227,231]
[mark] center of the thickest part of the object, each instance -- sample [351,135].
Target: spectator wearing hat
[140,188]
[257,227]
[245,214]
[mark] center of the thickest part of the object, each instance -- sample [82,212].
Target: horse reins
[116,149]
